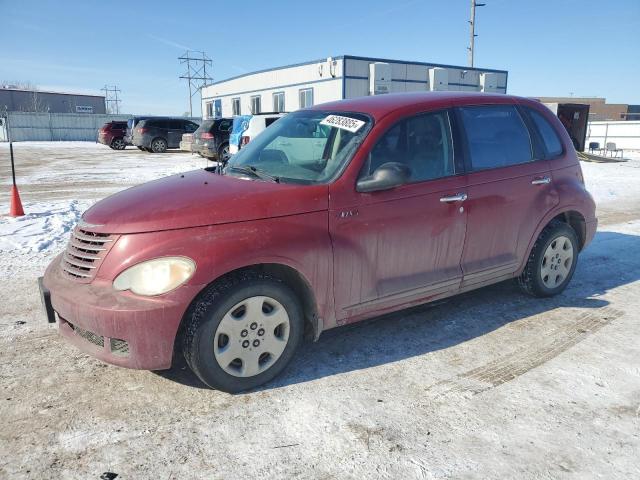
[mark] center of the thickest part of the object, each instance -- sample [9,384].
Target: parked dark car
[333,214]
[131,124]
[211,140]
[160,133]
[112,134]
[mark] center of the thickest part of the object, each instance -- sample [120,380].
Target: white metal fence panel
[47,127]
[31,126]
[625,135]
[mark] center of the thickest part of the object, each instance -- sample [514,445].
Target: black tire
[158,145]
[118,143]
[208,310]
[531,280]
[223,152]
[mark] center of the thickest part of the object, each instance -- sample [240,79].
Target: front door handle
[459,197]
[541,181]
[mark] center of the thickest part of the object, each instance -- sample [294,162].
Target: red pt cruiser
[333,214]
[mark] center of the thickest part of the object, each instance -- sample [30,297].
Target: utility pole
[196,74]
[472,25]
[111,100]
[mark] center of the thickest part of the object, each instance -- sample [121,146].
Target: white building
[301,85]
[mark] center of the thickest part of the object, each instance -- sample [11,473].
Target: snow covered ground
[493,384]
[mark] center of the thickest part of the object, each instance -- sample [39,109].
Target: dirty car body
[334,214]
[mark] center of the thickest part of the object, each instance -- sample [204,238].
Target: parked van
[397,200]
[247,127]
[160,133]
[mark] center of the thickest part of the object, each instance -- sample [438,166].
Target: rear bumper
[117,327]
[105,139]
[141,141]
[186,146]
[208,151]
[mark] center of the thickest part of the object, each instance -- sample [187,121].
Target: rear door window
[552,143]
[496,136]
[190,127]
[225,125]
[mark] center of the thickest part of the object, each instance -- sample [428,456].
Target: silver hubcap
[118,144]
[158,145]
[557,261]
[251,336]
[225,153]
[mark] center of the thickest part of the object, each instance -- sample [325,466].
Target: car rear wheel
[224,153]
[242,332]
[118,144]
[159,145]
[552,261]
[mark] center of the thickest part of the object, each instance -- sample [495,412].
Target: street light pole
[472,28]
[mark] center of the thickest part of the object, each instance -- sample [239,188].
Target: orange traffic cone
[16,205]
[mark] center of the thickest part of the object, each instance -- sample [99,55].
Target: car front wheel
[242,332]
[552,261]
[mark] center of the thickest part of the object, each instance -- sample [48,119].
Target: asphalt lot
[491,384]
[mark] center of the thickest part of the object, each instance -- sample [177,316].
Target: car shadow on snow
[610,262]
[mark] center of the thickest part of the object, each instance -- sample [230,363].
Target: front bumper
[117,327]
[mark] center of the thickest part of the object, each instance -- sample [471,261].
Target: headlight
[155,277]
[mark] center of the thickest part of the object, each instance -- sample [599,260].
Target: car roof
[379,106]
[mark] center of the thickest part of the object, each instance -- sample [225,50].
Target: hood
[200,198]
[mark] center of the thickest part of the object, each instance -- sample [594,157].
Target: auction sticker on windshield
[345,123]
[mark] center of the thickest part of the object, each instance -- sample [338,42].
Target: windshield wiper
[254,172]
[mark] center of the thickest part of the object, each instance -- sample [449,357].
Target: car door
[401,246]
[509,191]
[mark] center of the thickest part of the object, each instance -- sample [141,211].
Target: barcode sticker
[345,123]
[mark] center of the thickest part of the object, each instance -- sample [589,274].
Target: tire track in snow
[511,366]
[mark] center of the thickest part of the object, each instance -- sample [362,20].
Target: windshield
[308,146]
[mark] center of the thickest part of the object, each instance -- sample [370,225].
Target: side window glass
[190,127]
[497,136]
[550,138]
[423,143]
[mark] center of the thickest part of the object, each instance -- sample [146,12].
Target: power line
[472,25]
[196,74]
[111,100]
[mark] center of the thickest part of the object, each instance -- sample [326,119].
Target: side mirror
[386,176]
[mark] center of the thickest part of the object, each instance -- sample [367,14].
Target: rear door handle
[459,197]
[541,181]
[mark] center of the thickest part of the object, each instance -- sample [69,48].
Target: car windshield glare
[308,146]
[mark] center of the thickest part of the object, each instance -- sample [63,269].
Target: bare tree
[35,104]
[19,84]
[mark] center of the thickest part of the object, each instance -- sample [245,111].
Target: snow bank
[46,227]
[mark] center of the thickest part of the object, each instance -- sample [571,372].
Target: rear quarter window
[496,136]
[550,138]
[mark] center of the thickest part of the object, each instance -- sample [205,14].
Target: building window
[278,102]
[236,106]
[306,97]
[255,104]
[209,109]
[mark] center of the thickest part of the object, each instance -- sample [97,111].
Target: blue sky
[549,47]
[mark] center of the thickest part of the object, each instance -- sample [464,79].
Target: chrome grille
[85,252]
[88,336]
